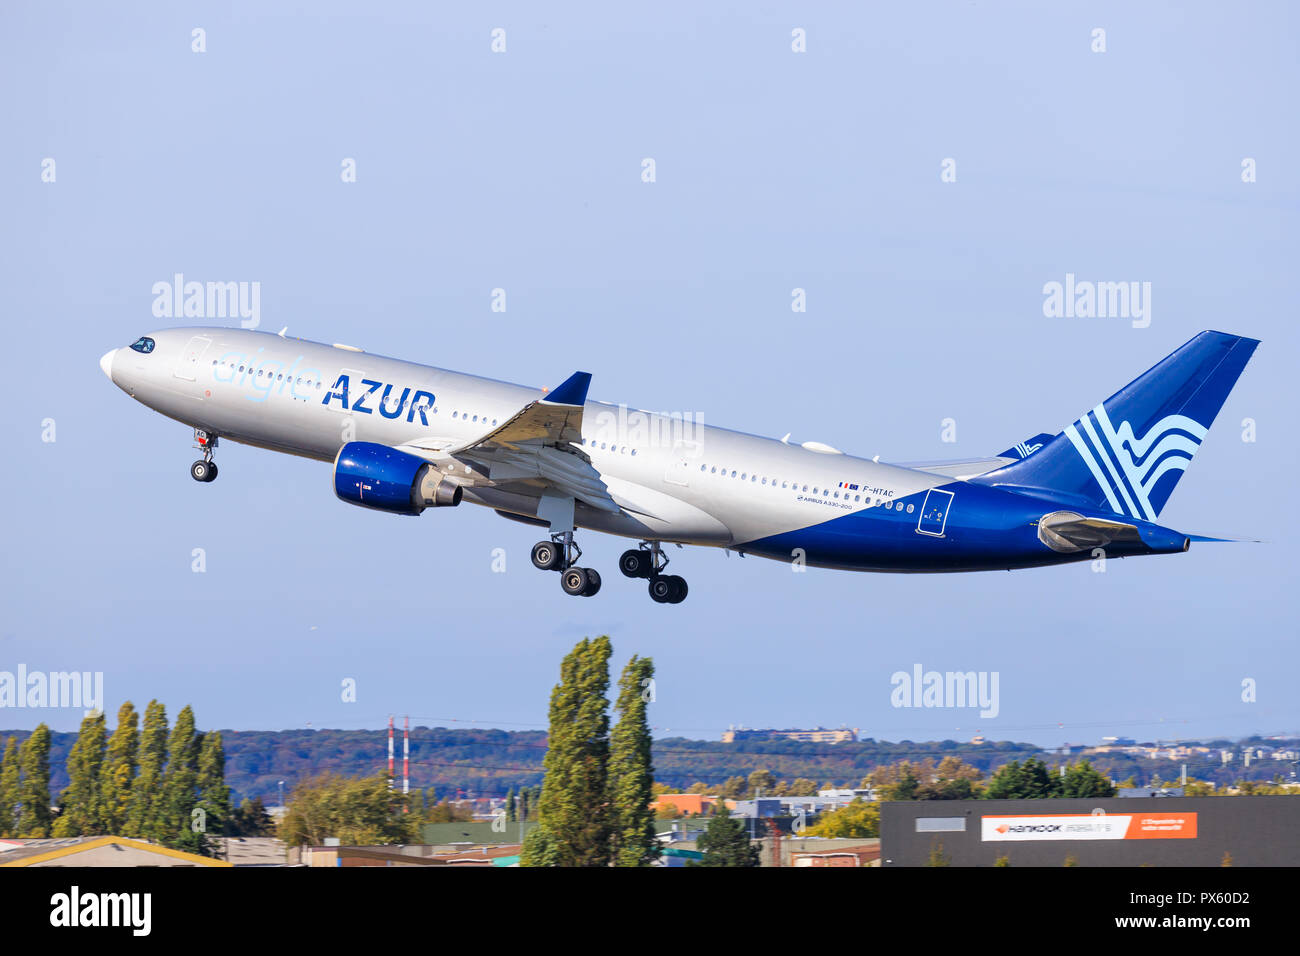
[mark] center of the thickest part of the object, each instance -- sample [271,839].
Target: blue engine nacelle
[380,477]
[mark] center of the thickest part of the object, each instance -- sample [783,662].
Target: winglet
[572,391]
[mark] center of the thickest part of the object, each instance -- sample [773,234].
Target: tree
[857,819]
[81,810]
[725,843]
[9,789]
[1081,780]
[34,786]
[803,787]
[938,857]
[760,781]
[143,807]
[180,788]
[574,808]
[631,775]
[1014,781]
[119,769]
[512,811]
[250,819]
[733,788]
[358,810]
[213,794]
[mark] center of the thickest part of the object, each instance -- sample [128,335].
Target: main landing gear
[205,469]
[649,561]
[561,554]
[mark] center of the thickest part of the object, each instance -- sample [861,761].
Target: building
[865,855]
[1101,831]
[100,851]
[819,735]
[689,804]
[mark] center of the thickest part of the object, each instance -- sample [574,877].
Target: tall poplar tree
[34,787]
[81,810]
[631,775]
[180,786]
[9,789]
[573,810]
[214,795]
[143,807]
[119,769]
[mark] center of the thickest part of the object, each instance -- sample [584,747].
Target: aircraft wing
[540,446]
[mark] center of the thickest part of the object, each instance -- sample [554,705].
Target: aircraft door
[934,512]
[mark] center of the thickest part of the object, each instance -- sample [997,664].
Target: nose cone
[106,363]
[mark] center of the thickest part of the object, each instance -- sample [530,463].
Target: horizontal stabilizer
[1023,449]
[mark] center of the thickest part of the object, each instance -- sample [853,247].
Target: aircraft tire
[547,556]
[635,563]
[574,580]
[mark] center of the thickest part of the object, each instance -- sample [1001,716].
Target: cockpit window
[143,344]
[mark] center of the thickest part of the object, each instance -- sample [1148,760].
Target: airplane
[404,437]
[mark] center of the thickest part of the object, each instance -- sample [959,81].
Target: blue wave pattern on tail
[1128,453]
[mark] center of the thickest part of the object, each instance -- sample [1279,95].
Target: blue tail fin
[1127,454]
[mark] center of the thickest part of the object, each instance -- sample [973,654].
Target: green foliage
[1081,780]
[1003,860]
[803,787]
[1016,781]
[574,808]
[119,769]
[859,819]
[725,843]
[631,776]
[950,779]
[761,781]
[144,805]
[937,856]
[250,819]
[9,777]
[180,789]
[540,849]
[1071,860]
[81,809]
[34,786]
[360,811]
[213,794]
[734,788]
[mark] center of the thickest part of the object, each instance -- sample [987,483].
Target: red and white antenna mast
[390,752]
[406,758]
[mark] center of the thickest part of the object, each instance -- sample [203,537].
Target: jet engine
[377,476]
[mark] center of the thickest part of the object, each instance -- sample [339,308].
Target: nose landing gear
[649,561]
[205,469]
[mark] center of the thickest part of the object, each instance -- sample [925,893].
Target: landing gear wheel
[575,581]
[202,471]
[661,589]
[679,589]
[668,589]
[547,556]
[212,471]
[593,583]
[635,563]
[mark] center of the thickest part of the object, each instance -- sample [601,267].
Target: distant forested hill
[490,762]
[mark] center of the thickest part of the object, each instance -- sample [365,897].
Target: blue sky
[522,170]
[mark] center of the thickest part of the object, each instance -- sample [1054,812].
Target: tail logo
[1127,467]
[1024,449]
